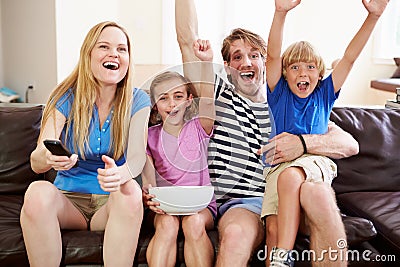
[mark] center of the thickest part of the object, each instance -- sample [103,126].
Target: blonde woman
[102,120]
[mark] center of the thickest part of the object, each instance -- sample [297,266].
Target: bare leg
[121,217]
[199,250]
[325,223]
[240,231]
[44,212]
[289,183]
[271,235]
[162,247]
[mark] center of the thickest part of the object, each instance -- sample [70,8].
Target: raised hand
[202,49]
[286,5]
[375,7]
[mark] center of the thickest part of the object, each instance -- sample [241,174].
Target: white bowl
[182,200]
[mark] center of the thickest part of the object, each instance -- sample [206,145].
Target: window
[387,34]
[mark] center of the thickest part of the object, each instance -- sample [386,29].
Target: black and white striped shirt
[243,126]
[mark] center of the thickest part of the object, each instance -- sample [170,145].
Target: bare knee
[193,227]
[128,200]
[39,199]
[318,199]
[291,179]
[167,226]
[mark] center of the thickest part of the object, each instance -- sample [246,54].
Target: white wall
[41,39]
[328,25]
[1,53]
[141,20]
[29,46]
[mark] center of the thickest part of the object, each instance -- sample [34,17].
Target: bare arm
[137,141]
[41,159]
[336,144]
[274,47]
[186,28]
[149,173]
[375,9]
[203,51]
[187,33]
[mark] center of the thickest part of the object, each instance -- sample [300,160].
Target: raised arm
[186,28]
[187,33]
[274,47]
[202,49]
[375,9]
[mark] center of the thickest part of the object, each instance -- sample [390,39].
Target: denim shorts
[252,204]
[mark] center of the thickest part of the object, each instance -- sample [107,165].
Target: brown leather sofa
[368,187]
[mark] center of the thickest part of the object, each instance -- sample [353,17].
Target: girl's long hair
[85,88]
[190,89]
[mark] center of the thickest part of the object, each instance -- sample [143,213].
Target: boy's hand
[286,5]
[202,49]
[375,7]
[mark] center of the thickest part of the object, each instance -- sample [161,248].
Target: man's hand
[202,49]
[282,148]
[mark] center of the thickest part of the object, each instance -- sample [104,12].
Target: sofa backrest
[19,130]
[377,166]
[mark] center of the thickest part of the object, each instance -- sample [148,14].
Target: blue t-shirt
[297,115]
[83,179]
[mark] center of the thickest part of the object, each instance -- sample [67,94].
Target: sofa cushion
[12,248]
[19,130]
[382,208]
[377,132]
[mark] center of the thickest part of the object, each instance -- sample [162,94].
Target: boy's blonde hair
[190,89]
[85,89]
[302,51]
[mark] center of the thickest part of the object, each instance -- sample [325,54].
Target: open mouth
[173,112]
[111,65]
[303,85]
[248,75]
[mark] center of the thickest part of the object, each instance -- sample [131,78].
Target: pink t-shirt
[180,160]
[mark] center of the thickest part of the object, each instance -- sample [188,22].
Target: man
[243,126]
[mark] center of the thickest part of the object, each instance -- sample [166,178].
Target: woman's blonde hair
[302,51]
[85,89]
[168,76]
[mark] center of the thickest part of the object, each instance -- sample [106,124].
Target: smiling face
[246,68]
[171,100]
[302,78]
[109,57]
[303,68]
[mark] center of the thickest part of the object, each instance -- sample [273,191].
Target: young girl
[177,155]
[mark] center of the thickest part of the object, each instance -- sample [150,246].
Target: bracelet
[303,143]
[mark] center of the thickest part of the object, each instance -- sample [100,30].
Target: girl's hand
[148,202]
[109,178]
[61,163]
[202,49]
[286,5]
